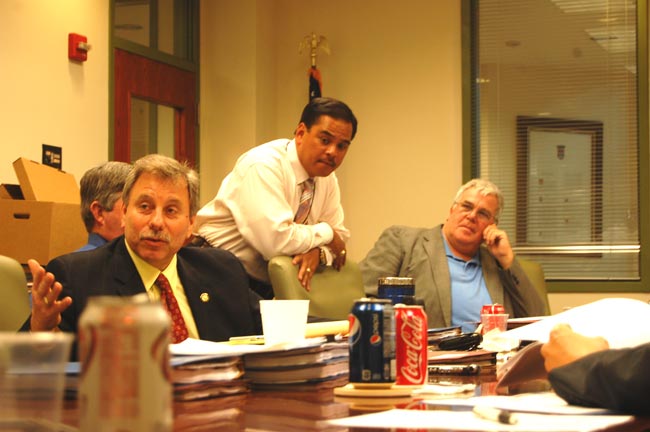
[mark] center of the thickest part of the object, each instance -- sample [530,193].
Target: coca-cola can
[411,345]
[491,309]
[493,316]
[125,371]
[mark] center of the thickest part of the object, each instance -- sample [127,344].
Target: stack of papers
[198,377]
[210,386]
[294,388]
[313,364]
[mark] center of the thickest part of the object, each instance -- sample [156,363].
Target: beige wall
[396,63]
[48,99]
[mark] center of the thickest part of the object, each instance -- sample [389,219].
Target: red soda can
[491,309]
[493,316]
[411,345]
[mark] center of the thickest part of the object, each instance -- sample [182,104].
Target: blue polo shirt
[468,290]
[94,241]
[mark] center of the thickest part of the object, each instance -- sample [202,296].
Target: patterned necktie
[179,329]
[306,198]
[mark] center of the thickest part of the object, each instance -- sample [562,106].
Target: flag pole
[313,43]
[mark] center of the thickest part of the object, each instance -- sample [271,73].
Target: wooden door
[139,79]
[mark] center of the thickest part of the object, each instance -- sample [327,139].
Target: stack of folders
[294,389]
[435,335]
[475,362]
[208,390]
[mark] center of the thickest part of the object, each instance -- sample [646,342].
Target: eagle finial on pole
[313,43]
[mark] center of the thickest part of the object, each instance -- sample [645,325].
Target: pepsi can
[372,343]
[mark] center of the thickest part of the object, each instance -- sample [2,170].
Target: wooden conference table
[269,411]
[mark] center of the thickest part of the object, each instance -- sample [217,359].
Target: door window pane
[163,25]
[152,129]
[131,21]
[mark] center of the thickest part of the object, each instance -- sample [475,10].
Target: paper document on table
[534,403]
[201,347]
[623,322]
[468,421]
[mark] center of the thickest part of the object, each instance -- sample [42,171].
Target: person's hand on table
[337,246]
[308,263]
[46,305]
[565,346]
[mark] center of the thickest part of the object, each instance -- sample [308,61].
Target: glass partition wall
[556,91]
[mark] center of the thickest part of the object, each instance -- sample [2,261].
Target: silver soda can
[125,371]
[372,343]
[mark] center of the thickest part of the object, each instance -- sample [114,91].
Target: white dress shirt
[252,214]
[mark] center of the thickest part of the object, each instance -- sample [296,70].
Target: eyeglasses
[482,215]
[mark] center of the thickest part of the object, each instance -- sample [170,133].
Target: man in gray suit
[458,266]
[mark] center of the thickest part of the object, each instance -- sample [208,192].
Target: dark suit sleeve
[231,308]
[613,379]
[383,260]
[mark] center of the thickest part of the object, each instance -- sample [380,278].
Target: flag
[315,83]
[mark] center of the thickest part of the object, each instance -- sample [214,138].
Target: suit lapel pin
[205,297]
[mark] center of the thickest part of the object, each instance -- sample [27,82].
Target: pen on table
[495,414]
[470,369]
[246,340]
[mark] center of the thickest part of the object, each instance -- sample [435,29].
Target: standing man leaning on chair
[283,198]
[458,266]
[205,290]
[101,202]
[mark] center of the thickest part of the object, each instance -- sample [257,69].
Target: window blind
[555,124]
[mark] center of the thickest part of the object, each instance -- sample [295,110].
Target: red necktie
[306,198]
[179,329]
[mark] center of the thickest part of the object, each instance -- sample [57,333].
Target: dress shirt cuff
[323,234]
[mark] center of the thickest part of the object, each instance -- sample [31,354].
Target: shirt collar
[96,240]
[298,169]
[149,273]
[476,258]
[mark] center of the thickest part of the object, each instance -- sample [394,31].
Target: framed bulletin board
[559,181]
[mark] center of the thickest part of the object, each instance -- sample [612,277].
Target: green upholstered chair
[535,274]
[332,292]
[14,297]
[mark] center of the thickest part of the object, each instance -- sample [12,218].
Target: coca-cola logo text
[412,336]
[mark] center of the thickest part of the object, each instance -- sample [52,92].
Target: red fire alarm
[78,47]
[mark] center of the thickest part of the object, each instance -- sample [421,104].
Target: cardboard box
[47,223]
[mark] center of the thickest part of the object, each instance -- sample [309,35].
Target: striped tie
[179,329]
[306,198]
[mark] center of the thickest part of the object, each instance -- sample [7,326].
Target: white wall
[48,99]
